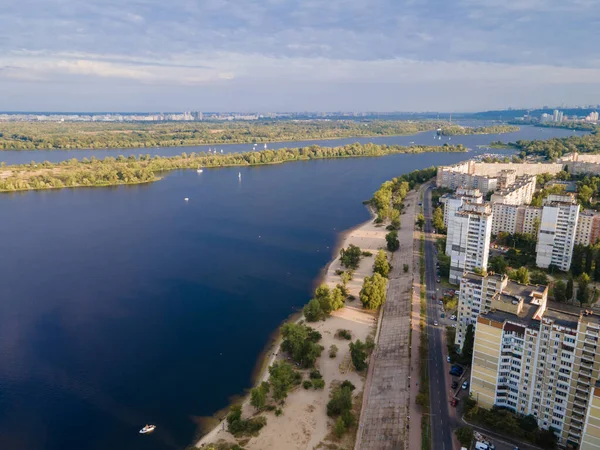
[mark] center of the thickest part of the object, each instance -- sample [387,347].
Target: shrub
[344,334]
[278,412]
[333,351]
[405,267]
[306,384]
[239,427]
[319,383]
[465,436]
[315,374]
[359,355]
[340,427]
[367,253]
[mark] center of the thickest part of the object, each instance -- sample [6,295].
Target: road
[441,422]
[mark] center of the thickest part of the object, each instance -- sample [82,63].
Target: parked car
[454,384]
[439,279]
[454,402]
[441,302]
[458,368]
[435,323]
[454,325]
[433,296]
[448,359]
[452,317]
[465,385]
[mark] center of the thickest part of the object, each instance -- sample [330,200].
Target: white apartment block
[541,359]
[453,202]
[519,192]
[556,237]
[476,295]
[468,239]
[588,228]
[515,218]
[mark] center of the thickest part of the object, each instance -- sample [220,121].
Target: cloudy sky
[296,55]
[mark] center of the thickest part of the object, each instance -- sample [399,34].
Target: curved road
[441,423]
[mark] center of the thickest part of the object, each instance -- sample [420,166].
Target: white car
[435,323]
[453,317]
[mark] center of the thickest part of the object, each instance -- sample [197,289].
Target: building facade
[556,236]
[519,192]
[515,219]
[453,202]
[588,228]
[468,239]
[540,359]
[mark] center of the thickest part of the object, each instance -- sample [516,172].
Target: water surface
[125,306]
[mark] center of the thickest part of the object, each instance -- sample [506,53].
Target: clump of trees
[373,292]
[359,352]
[325,301]
[381,264]
[438,220]
[283,377]
[340,407]
[301,343]
[243,427]
[258,395]
[350,257]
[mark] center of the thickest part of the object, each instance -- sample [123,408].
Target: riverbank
[304,423]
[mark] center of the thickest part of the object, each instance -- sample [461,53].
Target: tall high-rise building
[556,236]
[453,202]
[468,240]
[477,293]
[540,359]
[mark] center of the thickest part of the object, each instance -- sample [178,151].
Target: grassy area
[423,396]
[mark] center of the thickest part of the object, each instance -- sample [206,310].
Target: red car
[433,296]
[454,402]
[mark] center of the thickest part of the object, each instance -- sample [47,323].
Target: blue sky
[296,55]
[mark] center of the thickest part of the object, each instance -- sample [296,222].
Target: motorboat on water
[186,199]
[240,175]
[199,169]
[147,429]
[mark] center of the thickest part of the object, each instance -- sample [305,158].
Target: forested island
[144,168]
[97,135]
[457,130]
[552,149]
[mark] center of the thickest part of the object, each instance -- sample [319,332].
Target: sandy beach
[304,423]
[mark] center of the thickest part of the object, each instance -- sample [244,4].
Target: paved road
[441,422]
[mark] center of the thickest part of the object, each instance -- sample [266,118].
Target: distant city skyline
[271,55]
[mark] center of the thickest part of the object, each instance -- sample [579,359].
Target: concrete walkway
[383,421]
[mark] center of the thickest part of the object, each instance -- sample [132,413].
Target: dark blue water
[125,306]
[526,132]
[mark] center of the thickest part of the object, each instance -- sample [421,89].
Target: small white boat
[240,175]
[265,146]
[186,199]
[199,169]
[148,429]
[221,150]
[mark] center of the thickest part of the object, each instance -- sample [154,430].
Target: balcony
[579,404]
[585,372]
[590,341]
[585,364]
[582,395]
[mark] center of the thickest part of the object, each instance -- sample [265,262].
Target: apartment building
[515,218]
[477,293]
[588,228]
[519,192]
[539,358]
[468,239]
[556,236]
[453,202]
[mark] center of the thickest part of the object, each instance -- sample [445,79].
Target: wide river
[125,306]
[426,138]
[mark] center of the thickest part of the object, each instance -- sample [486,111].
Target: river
[527,132]
[127,305]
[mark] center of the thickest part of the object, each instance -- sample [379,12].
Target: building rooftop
[527,315]
[519,183]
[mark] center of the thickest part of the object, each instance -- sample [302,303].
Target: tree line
[457,130]
[95,135]
[144,168]
[554,148]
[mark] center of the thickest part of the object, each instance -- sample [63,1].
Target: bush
[239,427]
[359,355]
[350,257]
[367,253]
[340,427]
[405,267]
[381,264]
[333,351]
[341,400]
[300,342]
[344,334]
[315,374]
[278,412]
[393,243]
[306,384]
[319,383]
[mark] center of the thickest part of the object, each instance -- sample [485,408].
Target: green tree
[597,267]
[340,399]
[282,377]
[560,291]
[372,294]
[464,436]
[358,353]
[381,265]
[258,395]
[583,288]
[300,342]
[420,221]
[437,220]
[393,243]
[589,259]
[538,277]
[570,288]
[340,427]
[577,260]
[313,311]
[466,355]
[521,275]
[350,257]
[585,194]
[498,264]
